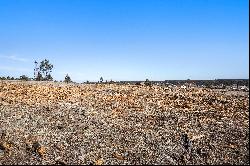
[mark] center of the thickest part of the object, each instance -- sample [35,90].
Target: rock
[99,162]
[143,125]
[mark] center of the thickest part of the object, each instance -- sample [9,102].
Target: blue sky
[126,39]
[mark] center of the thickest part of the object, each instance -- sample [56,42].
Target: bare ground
[54,123]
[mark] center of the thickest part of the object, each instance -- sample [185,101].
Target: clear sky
[126,39]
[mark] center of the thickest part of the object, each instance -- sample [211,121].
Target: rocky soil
[57,123]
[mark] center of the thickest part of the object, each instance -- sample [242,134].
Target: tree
[43,72]
[36,70]
[46,69]
[39,76]
[49,77]
[67,79]
[101,79]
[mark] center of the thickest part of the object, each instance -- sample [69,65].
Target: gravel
[58,123]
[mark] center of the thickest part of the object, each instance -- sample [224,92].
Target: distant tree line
[43,70]
[210,83]
[22,77]
[206,83]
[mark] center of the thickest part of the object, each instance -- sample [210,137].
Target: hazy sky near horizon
[126,39]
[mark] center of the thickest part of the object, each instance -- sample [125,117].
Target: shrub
[148,83]
[24,78]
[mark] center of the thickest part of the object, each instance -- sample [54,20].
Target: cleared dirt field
[57,123]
